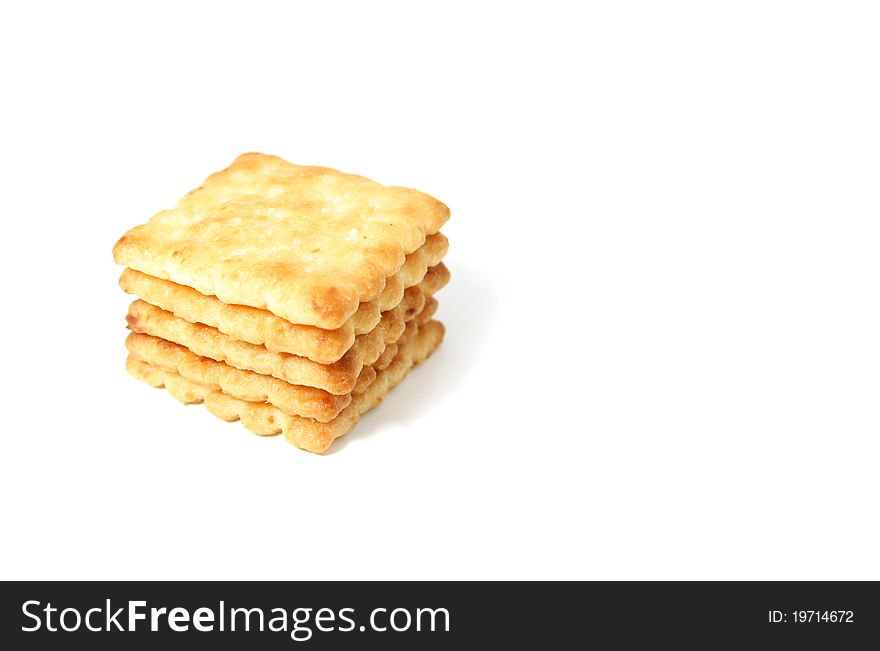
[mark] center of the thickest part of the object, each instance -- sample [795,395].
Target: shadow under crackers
[467,306]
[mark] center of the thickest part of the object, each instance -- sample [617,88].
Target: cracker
[428,311]
[182,389]
[386,357]
[264,328]
[337,378]
[364,379]
[308,244]
[266,420]
[420,319]
[247,385]
[190,392]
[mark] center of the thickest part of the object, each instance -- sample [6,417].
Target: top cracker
[306,243]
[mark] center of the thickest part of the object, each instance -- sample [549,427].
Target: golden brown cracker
[308,244]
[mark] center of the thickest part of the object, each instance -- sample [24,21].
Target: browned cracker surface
[308,244]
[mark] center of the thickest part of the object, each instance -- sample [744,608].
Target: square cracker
[266,420]
[308,244]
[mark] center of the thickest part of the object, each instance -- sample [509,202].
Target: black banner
[104,615]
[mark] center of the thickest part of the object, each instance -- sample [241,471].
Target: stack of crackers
[290,298]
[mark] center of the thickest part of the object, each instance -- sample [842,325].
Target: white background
[662,357]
